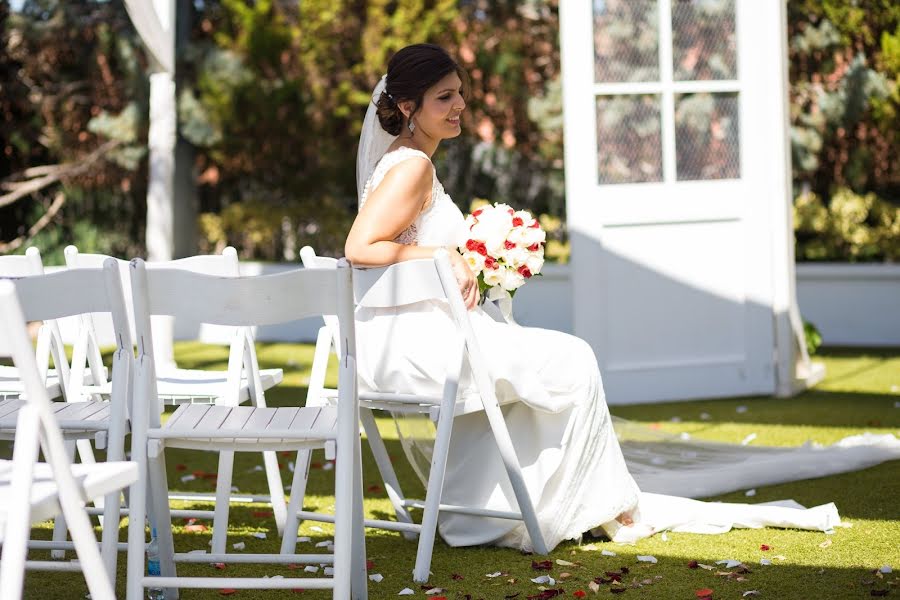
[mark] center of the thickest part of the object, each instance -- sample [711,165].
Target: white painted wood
[399,285]
[674,282]
[244,301]
[31,492]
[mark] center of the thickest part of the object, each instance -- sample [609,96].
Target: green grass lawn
[860,394]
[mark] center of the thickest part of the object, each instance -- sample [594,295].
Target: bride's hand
[468,283]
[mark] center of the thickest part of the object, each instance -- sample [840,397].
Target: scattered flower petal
[693,564]
[647,558]
[750,493]
[492,575]
[456,577]
[311,569]
[542,565]
[765,561]
[565,563]
[729,563]
[594,586]
[741,409]
[304,539]
[239,545]
[825,544]
[765,547]
[544,579]
[704,416]
[227,591]
[376,577]
[261,514]
[664,537]
[704,593]
[886,569]
[579,593]
[433,591]
[748,439]
[260,535]
[750,593]
[405,592]
[608,553]
[188,477]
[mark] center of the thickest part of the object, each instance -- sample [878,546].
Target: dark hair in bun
[411,71]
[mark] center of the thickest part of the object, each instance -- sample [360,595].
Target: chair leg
[298,492]
[223,495]
[343,515]
[110,534]
[137,517]
[422,570]
[86,454]
[386,469]
[359,584]
[59,523]
[276,490]
[159,487]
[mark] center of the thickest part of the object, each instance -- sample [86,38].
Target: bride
[548,381]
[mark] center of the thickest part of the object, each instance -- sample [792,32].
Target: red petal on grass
[219,566]
[765,547]
[624,570]
[579,593]
[543,565]
[693,564]
[369,565]
[181,467]
[374,489]
[457,576]
[196,528]
[315,465]
[286,453]
[298,590]
[199,473]
[227,591]
[261,514]
[704,593]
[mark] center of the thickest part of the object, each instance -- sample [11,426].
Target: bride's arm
[388,211]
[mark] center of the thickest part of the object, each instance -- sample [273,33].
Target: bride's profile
[548,382]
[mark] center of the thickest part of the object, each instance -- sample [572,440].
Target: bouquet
[505,248]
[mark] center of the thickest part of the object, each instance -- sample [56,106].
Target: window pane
[707,142]
[703,40]
[629,148]
[626,40]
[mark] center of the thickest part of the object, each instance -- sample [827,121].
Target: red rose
[481,249]
[490,263]
[518,222]
[509,245]
[534,247]
[471,245]
[523,270]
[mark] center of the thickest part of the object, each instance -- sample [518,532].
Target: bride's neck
[421,143]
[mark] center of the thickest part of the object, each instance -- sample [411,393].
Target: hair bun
[389,114]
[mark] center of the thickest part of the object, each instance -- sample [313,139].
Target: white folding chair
[242,302]
[398,285]
[243,382]
[49,340]
[31,492]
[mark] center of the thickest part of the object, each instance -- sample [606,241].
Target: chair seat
[190,386]
[96,480]
[11,385]
[91,416]
[204,426]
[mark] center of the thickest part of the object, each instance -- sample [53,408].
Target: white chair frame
[397,285]
[34,493]
[245,301]
[182,386]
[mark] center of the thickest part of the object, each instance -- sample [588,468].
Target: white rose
[511,280]
[535,261]
[516,257]
[493,277]
[475,262]
[534,235]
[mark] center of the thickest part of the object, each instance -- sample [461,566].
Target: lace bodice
[440,223]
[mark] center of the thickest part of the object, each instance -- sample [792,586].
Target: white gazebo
[678,196]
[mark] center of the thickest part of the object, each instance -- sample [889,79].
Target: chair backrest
[242,301]
[414,281]
[78,292]
[50,341]
[223,265]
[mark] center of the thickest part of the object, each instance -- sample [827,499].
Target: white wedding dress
[552,395]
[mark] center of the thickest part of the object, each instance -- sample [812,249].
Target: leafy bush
[852,227]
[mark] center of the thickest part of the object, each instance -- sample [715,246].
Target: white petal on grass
[544,579]
[376,577]
[729,563]
[886,569]
[741,409]
[750,593]
[311,569]
[304,539]
[704,416]
[647,558]
[186,478]
[324,544]
[239,545]
[751,492]
[260,535]
[433,591]
[608,553]
[493,575]
[405,592]
[765,561]
[748,439]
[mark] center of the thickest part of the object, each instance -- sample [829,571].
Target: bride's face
[442,105]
